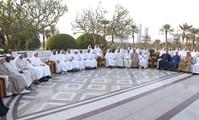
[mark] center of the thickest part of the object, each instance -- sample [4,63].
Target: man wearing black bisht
[164,61]
[3,108]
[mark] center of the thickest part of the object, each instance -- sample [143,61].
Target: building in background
[146,31]
[139,34]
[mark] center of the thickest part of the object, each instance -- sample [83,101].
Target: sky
[150,13]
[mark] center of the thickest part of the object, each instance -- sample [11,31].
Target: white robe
[143,61]
[11,66]
[59,66]
[36,61]
[110,59]
[98,52]
[120,59]
[195,67]
[127,60]
[22,66]
[82,61]
[90,60]
[39,71]
[65,65]
[75,61]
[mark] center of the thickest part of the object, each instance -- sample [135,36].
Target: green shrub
[61,41]
[88,39]
[28,41]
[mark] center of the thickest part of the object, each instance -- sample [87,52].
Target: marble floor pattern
[74,87]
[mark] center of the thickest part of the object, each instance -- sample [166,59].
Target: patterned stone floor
[74,87]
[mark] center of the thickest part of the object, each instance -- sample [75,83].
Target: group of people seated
[76,60]
[23,71]
[126,58]
[178,60]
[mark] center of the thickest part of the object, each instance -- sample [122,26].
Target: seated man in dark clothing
[3,108]
[175,60]
[164,61]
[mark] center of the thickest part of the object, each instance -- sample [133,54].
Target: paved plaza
[116,94]
[74,87]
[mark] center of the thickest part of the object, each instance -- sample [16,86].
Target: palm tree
[184,28]
[134,30]
[165,30]
[157,44]
[194,32]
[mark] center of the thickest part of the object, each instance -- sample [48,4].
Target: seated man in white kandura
[38,70]
[60,65]
[82,60]
[12,68]
[90,60]
[36,61]
[22,66]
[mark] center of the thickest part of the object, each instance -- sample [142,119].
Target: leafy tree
[120,24]
[28,40]
[94,21]
[157,44]
[89,21]
[61,41]
[87,39]
[134,30]
[165,30]
[20,15]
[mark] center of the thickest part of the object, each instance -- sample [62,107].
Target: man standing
[110,59]
[98,52]
[127,59]
[120,58]
[135,60]
[143,61]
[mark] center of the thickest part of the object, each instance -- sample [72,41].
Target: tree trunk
[133,40]
[43,40]
[182,40]
[94,39]
[166,41]
[193,43]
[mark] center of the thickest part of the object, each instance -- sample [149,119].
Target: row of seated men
[28,70]
[69,61]
[23,71]
[127,58]
[183,62]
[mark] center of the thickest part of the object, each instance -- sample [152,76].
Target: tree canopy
[61,41]
[18,16]
[95,22]
[87,39]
